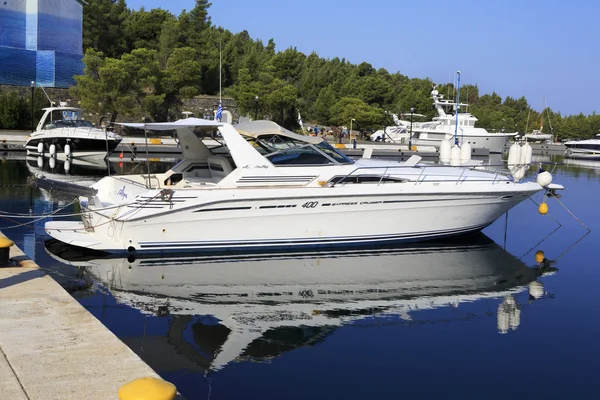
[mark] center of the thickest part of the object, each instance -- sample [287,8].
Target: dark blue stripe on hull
[287,245]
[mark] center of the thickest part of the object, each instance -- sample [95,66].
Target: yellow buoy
[539,256]
[543,209]
[147,389]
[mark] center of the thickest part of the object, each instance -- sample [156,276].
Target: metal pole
[32,107]
[148,185]
[256,111]
[106,137]
[412,110]
[457,107]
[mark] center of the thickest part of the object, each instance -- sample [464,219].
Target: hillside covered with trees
[149,61]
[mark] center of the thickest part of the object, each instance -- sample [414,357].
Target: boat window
[70,124]
[333,153]
[367,179]
[276,142]
[283,150]
[305,155]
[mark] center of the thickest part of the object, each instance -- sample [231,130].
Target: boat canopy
[261,128]
[167,126]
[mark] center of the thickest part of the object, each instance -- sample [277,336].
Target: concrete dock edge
[51,347]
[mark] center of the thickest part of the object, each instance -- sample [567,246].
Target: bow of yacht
[265,187]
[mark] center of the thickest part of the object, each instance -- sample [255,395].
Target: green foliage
[103,22]
[148,61]
[13,110]
[142,29]
[126,85]
[366,116]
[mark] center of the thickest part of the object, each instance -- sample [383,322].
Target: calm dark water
[469,318]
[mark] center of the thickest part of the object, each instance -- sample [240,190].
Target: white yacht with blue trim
[268,188]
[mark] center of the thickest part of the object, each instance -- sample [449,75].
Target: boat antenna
[48,97]
[457,106]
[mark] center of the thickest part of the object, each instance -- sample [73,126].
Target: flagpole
[220,109]
[220,52]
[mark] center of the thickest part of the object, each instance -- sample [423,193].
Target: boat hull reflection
[259,296]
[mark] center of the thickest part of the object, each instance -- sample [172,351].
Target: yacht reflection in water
[224,308]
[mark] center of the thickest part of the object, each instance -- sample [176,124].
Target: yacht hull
[81,148]
[583,154]
[287,218]
[493,142]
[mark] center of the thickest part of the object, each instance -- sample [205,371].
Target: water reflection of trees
[578,168]
[13,179]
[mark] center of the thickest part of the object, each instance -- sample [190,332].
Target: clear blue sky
[533,48]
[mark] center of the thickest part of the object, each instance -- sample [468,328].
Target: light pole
[412,110]
[256,109]
[350,133]
[32,106]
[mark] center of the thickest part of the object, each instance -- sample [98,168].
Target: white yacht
[586,149]
[239,303]
[443,127]
[269,188]
[63,134]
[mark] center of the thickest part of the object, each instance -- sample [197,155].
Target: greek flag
[219,112]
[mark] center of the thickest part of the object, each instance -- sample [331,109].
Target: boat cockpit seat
[219,167]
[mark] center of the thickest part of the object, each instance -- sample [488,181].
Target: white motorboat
[443,127]
[269,188]
[240,302]
[585,149]
[61,133]
[538,136]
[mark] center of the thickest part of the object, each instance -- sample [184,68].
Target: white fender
[514,156]
[52,149]
[455,156]
[465,153]
[544,178]
[40,148]
[445,149]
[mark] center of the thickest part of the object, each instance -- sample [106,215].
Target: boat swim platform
[51,347]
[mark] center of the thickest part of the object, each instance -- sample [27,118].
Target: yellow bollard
[5,245]
[147,389]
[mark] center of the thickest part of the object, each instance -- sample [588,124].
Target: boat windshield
[283,150]
[64,123]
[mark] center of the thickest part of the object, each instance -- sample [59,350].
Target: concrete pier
[53,348]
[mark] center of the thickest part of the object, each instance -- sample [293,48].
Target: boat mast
[457,106]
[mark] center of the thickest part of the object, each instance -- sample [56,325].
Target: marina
[208,201]
[202,322]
